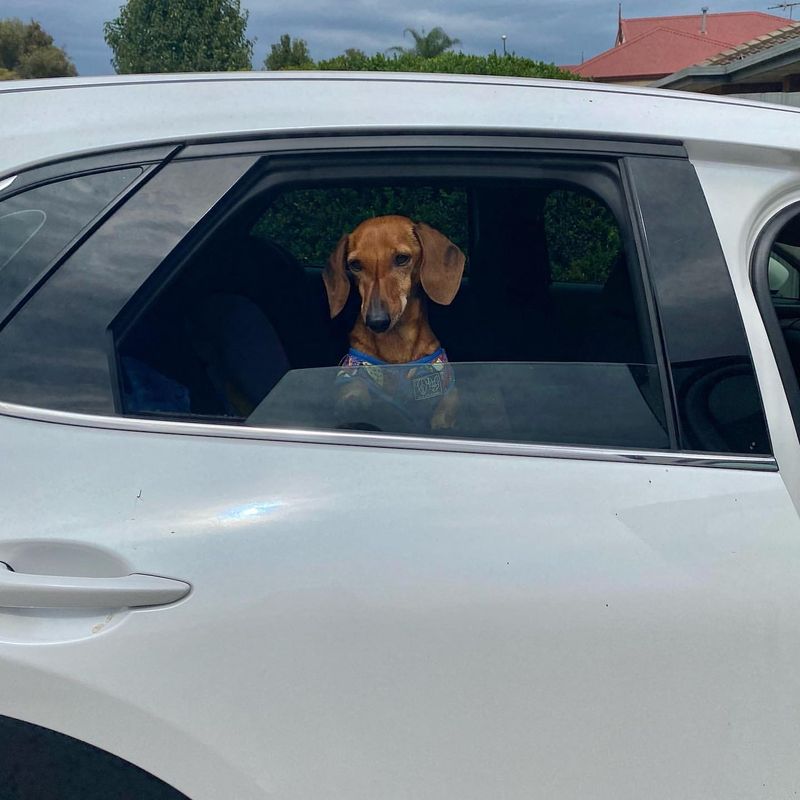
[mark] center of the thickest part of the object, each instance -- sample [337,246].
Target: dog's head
[388,257]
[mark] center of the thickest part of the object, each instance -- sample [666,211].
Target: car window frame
[283,170]
[759,280]
[373,141]
[681,293]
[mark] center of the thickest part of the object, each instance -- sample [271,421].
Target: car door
[253,612]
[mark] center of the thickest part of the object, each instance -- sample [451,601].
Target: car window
[519,356]
[202,299]
[784,272]
[37,224]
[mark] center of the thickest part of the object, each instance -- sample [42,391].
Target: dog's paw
[445,415]
[442,421]
[352,401]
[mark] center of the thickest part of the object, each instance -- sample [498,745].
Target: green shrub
[448,62]
[309,222]
[583,238]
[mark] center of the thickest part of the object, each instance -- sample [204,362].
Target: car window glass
[55,352]
[17,228]
[244,334]
[784,272]
[35,225]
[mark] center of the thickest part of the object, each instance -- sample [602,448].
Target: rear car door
[250,609]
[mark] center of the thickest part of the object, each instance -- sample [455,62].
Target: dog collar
[355,358]
[424,378]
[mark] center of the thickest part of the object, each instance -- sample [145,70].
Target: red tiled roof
[732,28]
[653,54]
[658,46]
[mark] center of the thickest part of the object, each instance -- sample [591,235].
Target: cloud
[550,30]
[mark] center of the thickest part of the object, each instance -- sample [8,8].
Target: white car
[211,587]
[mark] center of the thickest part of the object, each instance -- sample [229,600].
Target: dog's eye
[354,266]
[401,259]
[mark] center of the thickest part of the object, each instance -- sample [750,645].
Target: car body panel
[768,190]
[378,617]
[490,625]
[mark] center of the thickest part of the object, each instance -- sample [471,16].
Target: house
[766,68]
[650,48]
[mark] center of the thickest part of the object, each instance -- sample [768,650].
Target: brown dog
[392,259]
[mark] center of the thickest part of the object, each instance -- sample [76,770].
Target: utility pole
[785,6]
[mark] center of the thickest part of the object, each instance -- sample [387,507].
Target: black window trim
[675,323]
[75,165]
[527,141]
[654,316]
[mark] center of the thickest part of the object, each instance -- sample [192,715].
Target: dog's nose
[378,323]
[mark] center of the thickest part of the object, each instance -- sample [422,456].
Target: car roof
[48,119]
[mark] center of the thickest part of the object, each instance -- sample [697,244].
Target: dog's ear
[337,284]
[442,264]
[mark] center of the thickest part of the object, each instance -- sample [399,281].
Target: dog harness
[413,388]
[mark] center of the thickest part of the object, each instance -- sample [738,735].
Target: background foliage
[288,53]
[448,62]
[309,222]
[583,238]
[27,51]
[179,36]
[427,45]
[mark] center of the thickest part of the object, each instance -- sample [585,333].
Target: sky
[558,31]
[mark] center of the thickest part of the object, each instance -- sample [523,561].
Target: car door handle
[18,590]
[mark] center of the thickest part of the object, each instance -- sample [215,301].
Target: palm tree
[427,45]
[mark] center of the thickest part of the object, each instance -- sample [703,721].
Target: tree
[45,62]
[427,45]
[289,53]
[179,36]
[27,51]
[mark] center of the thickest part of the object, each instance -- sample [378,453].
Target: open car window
[546,340]
[202,299]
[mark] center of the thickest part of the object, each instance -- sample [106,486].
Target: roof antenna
[703,26]
[785,6]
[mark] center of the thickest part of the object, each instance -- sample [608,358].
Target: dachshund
[395,263]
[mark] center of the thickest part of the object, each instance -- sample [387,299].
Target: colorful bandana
[413,388]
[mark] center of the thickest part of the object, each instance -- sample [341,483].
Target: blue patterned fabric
[414,388]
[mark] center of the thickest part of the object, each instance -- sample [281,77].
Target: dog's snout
[379,322]
[377,317]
